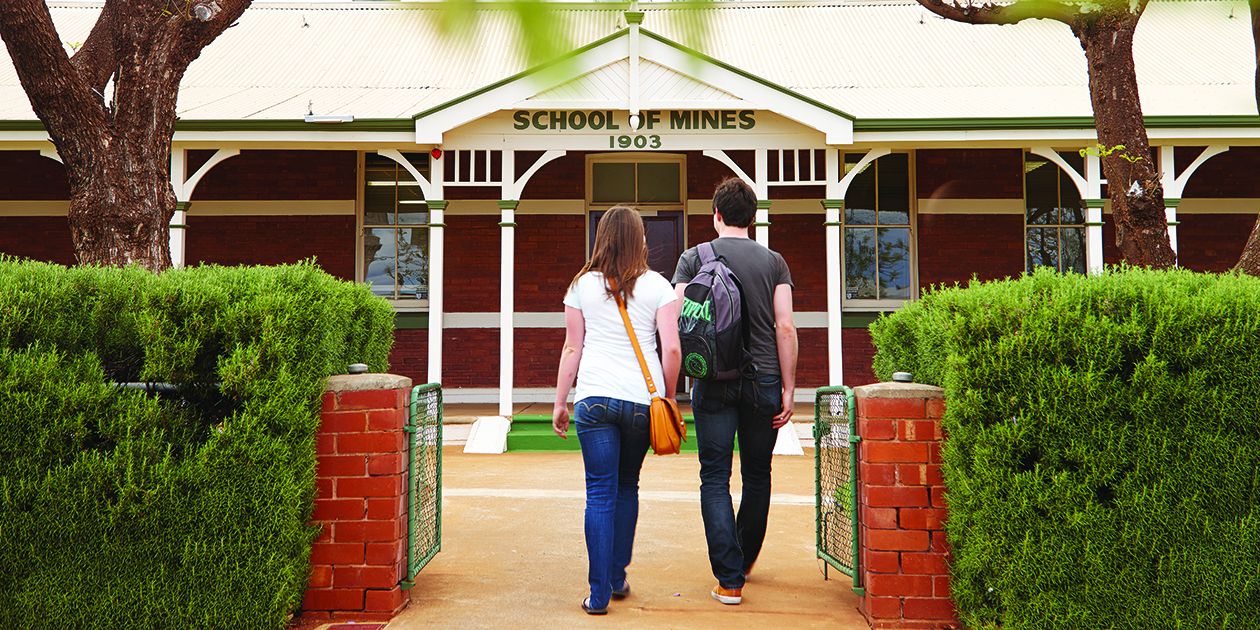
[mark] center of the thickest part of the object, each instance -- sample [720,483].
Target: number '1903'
[638,142]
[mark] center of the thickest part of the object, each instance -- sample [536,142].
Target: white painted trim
[871,156]
[177,238]
[519,185]
[1231,205]
[971,206]
[229,208]
[185,190]
[507,287]
[835,282]
[721,156]
[1179,183]
[51,153]
[437,266]
[426,186]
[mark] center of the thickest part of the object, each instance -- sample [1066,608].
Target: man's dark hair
[736,201]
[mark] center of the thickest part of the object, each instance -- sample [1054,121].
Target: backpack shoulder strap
[707,254]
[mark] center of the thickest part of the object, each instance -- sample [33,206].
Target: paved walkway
[513,555]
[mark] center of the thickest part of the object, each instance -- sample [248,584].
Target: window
[877,252]
[652,184]
[1054,217]
[395,237]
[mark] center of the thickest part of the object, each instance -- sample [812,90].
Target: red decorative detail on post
[905,559]
[359,559]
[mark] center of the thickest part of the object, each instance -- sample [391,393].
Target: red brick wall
[470,357]
[537,355]
[811,362]
[550,249]
[1111,253]
[905,557]
[272,240]
[37,238]
[1230,174]
[29,175]
[705,173]
[282,175]
[473,247]
[563,178]
[700,229]
[410,355]
[802,240]
[952,247]
[360,556]
[858,353]
[969,174]
[1212,242]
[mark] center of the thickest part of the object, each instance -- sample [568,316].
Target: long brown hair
[620,251]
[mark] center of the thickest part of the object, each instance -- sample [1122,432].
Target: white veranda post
[183,184]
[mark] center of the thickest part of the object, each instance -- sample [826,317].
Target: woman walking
[611,409]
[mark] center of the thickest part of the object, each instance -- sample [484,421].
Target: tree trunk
[1137,196]
[120,213]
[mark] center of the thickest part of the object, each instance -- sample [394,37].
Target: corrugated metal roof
[872,58]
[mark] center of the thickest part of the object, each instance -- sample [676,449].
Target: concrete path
[513,554]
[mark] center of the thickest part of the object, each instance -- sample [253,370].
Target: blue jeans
[614,438]
[725,410]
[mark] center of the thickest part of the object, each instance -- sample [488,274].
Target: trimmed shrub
[125,509]
[1103,451]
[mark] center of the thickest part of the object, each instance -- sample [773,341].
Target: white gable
[659,88]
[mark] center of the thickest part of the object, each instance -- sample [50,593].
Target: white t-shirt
[609,366]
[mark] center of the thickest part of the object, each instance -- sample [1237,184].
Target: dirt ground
[513,554]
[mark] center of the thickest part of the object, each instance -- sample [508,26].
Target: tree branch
[989,13]
[60,97]
[95,60]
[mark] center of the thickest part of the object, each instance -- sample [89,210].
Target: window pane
[1069,196]
[859,263]
[1042,216]
[1072,216]
[660,182]
[1043,248]
[1041,183]
[412,210]
[612,182]
[894,263]
[1073,241]
[378,205]
[861,194]
[413,263]
[378,260]
[894,189]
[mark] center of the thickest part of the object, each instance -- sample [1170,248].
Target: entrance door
[653,185]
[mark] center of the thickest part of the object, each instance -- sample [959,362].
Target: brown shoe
[728,596]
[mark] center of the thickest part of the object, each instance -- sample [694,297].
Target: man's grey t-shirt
[759,270]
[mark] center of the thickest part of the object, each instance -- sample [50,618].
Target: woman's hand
[560,421]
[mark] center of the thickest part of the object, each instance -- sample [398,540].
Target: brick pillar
[360,556]
[904,557]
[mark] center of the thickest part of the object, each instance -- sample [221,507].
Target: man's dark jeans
[725,410]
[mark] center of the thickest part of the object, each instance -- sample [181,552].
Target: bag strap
[706,252]
[634,341]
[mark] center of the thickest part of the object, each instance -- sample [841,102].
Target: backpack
[711,325]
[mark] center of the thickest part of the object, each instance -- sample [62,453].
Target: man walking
[751,407]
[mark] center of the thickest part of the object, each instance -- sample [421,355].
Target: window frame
[877,304]
[645,209]
[361,227]
[1057,225]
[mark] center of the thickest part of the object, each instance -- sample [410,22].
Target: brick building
[892,151]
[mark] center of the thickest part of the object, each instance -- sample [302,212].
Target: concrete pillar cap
[364,382]
[898,390]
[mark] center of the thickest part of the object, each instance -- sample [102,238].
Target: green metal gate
[836,487]
[424,478]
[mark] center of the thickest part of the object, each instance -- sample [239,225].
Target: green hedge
[122,509]
[1103,451]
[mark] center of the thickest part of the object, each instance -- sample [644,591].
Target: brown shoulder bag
[666,429]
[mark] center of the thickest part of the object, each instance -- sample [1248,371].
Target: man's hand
[784,416]
[560,421]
